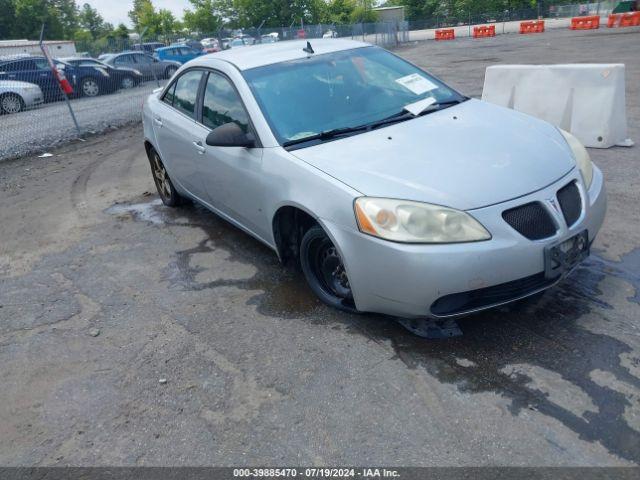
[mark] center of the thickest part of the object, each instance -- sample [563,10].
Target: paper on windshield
[416,83]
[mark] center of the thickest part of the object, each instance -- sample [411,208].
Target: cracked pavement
[257,370]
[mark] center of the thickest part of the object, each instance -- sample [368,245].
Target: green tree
[340,11]
[121,31]
[204,16]
[7,21]
[92,21]
[363,12]
[166,21]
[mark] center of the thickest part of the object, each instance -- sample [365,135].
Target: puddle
[146,212]
[503,350]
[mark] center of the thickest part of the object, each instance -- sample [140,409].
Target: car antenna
[308,48]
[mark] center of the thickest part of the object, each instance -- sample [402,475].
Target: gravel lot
[104,292]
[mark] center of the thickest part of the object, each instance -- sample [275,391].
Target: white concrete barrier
[587,100]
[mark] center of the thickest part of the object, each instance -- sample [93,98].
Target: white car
[17,96]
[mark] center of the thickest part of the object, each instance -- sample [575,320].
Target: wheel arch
[288,225]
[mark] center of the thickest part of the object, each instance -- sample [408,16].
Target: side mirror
[230,135]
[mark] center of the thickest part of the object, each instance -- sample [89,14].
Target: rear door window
[186,92]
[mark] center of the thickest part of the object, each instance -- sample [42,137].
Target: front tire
[324,270]
[11,103]
[168,194]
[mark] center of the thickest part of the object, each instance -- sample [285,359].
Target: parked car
[122,77]
[224,43]
[210,45]
[149,66]
[268,39]
[248,39]
[237,43]
[16,96]
[148,47]
[178,53]
[392,190]
[86,81]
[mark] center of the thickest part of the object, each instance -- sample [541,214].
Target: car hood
[467,156]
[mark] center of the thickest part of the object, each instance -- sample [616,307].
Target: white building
[62,48]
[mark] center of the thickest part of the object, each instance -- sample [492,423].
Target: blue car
[178,53]
[87,81]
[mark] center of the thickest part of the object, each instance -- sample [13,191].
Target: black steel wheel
[168,194]
[324,270]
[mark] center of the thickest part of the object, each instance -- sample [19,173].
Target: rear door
[178,134]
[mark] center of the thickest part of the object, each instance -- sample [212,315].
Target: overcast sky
[115,11]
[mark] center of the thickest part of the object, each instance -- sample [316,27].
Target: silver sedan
[393,192]
[17,96]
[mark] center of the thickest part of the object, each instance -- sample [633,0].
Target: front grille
[570,203]
[531,220]
[458,303]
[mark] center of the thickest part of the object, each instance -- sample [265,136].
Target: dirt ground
[134,334]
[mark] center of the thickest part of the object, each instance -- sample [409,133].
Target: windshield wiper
[394,118]
[408,115]
[326,135]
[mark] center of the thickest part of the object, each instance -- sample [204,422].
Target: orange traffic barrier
[445,34]
[631,19]
[536,26]
[484,31]
[585,23]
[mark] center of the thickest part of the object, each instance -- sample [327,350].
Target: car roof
[270,53]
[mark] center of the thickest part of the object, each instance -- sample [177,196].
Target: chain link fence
[109,87]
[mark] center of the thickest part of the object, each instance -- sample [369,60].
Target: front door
[232,176]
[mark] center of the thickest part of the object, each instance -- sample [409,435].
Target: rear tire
[168,193]
[90,87]
[127,82]
[11,103]
[324,270]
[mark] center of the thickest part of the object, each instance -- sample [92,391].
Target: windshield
[340,90]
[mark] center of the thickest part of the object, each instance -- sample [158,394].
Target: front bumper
[405,280]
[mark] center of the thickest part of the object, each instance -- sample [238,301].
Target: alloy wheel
[127,82]
[11,104]
[161,177]
[90,87]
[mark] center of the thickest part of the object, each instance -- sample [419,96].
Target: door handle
[157,121]
[199,147]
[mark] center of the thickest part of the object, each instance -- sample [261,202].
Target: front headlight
[583,160]
[414,222]
[137,72]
